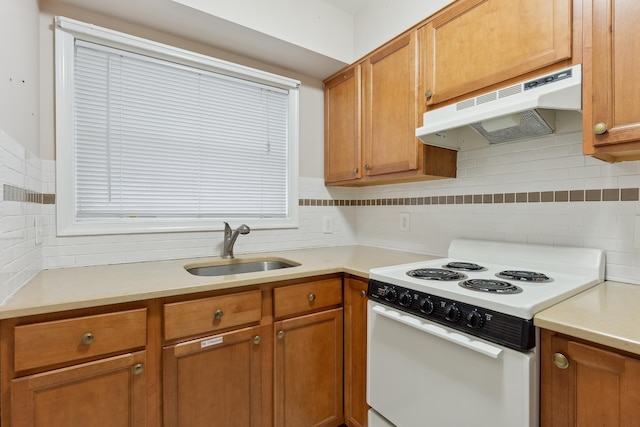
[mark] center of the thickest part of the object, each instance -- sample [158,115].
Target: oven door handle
[440,332]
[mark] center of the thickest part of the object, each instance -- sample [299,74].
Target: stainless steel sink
[239,266]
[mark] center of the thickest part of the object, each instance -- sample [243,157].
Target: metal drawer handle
[218,314]
[560,360]
[87,338]
[312,297]
[138,369]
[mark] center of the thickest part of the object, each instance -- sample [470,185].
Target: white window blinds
[153,138]
[158,139]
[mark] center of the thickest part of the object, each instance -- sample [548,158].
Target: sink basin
[239,266]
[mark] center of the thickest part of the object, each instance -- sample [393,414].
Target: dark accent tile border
[16,194]
[11,193]
[591,195]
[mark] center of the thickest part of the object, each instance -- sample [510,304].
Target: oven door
[420,373]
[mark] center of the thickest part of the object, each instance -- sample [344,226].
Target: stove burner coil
[464,266]
[436,274]
[525,276]
[490,285]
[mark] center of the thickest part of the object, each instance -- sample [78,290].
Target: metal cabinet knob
[355,170]
[257,339]
[280,335]
[218,314]
[137,369]
[312,297]
[87,338]
[560,360]
[367,167]
[600,128]
[363,293]
[428,94]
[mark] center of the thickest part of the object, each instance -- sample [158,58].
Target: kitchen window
[152,138]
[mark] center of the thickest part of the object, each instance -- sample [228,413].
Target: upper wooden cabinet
[389,101]
[477,43]
[611,88]
[371,114]
[343,147]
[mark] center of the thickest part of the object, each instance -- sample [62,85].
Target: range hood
[521,111]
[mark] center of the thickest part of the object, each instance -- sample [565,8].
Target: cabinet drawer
[183,319]
[60,341]
[293,300]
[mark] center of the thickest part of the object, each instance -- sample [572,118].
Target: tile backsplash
[539,191]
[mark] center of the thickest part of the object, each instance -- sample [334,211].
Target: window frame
[66,33]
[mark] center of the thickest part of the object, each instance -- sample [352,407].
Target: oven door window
[421,373]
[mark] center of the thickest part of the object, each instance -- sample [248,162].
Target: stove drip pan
[436,274]
[490,285]
[464,266]
[525,276]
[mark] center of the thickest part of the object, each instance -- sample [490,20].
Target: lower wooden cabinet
[355,352]
[217,380]
[109,392]
[271,355]
[308,370]
[584,385]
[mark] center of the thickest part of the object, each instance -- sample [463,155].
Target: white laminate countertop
[82,287]
[606,314]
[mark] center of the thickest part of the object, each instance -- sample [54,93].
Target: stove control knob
[405,299]
[474,320]
[451,313]
[426,306]
[390,294]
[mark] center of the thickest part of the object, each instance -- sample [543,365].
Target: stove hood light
[524,110]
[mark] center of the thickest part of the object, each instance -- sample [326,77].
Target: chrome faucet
[230,237]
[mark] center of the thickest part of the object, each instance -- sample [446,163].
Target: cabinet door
[389,99]
[308,370]
[217,380]
[478,43]
[611,89]
[355,353]
[105,393]
[594,387]
[342,146]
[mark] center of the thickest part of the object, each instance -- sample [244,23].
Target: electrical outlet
[327,225]
[405,222]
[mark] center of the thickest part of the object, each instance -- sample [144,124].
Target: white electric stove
[458,332]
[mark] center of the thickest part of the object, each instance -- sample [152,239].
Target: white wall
[314,25]
[381,20]
[19,73]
